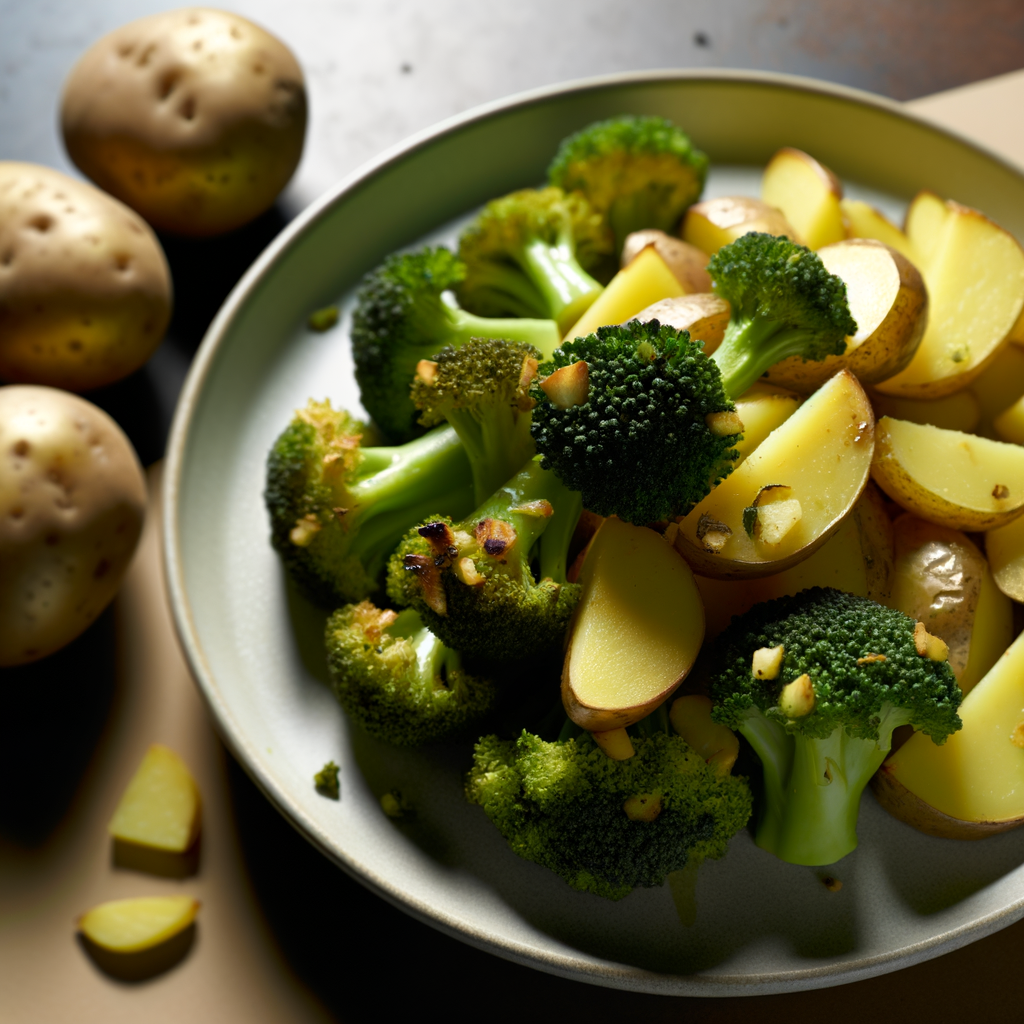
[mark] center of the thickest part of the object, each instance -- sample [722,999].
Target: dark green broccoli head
[637,172]
[640,446]
[399,682]
[862,661]
[563,805]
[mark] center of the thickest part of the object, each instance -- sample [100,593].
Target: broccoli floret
[637,172]
[473,581]
[783,303]
[398,681]
[326,783]
[821,721]
[608,826]
[337,509]
[641,445]
[527,254]
[403,315]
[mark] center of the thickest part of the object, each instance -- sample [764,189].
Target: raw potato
[132,925]
[686,261]
[890,305]
[85,292]
[196,118]
[637,630]
[72,501]
[808,194]
[822,454]
[704,316]
[712,223]
[958,480]
[160,807]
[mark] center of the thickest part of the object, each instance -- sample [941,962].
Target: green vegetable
[398,681]
[403,316]
[526,254]
[323,319]
[337,509]
[569,807]
[326,781]
[637,172]
[820,743]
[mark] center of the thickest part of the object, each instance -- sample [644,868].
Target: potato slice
[716,222]
[645,280]
[686,261]
[992,634]
[161,806]
[971,786]
[822,453]
[959,411]
[808,195]
[1005,549]
[704,315]
[637,631]
[923,226]
[762,408]
[974,273]
[997,388]
[864,221]
[132,925]
[716,743]
[887,299]
[959,480]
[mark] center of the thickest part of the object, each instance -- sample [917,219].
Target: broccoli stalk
[783,303]
[637,172]
[337,509]
[398,681]
[473,583]
[821,719]
[526,254]
[607,826]
[404,313]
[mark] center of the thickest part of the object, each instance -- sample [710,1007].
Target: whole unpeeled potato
[85,292]
[72,501]
[195,118]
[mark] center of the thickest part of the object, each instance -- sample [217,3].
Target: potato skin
[72,502]
[85,291]
[195,117]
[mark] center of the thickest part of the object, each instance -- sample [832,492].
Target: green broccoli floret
[850,673]
[403,315]
[326,783]
[637,172]
[398,681]
[473,581]
[783,303]
[337,509]
[608,826]
[527,254]
[640,446]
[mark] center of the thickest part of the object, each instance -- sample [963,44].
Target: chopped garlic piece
[767,661]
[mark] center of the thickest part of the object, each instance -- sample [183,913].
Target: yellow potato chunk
[997,388]
[762,408]
[712,223]
[808,194]
[959,411]
[864,221]
[686,261]
[958,480]
[132,925]
[704,316]
[161,806]
[1005,549]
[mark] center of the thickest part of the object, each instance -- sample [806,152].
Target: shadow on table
[147,963]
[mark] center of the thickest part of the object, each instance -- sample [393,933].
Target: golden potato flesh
[132,925]
[997,388]
[958,480]
[72,500]
[864,221]
[890,305]
[85,292]
[712,223]
[1004,547]
[195,117]
[959,411]
[808,194]
[686,261]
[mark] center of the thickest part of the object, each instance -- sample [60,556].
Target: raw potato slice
[637,631]
[973,785]
[644,281]
[890,305]
[704,315]
[1005,549]
[822,452]
[132,925]
[808,195]
[716,222]
[161,806]
[974,272]
[959,411]
[955,479]
[686,261]
[863,221]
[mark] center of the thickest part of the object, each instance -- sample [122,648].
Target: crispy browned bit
[526,376]
[724,424]
[1000,492]
[1017,736]
[870,659]
[568,385]
[929,646]
[539,509]
[832,884]
[428,575]
[441,540]
[304,530]
[496,537]
[373,620]
[426,371]
[712,533]
[340,512]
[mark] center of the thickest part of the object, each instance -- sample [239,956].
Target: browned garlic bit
[568,386]
[929,646]
[767,661]
[797,698]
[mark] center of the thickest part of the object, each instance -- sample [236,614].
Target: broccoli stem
[566,289]
[541,333]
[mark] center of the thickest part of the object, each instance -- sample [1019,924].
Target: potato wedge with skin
[997,388]
[686,261]
[161,806]
[808,194]
[974,273]
[971,786]
[705,316]
[888,301]
[712,223]
[955,479]
[923,225]
[1009,424]
[959,411]
[822,453]
[133,925]
[864,221]
[762,409]
[637,630]
[1004,547]
[992,633]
